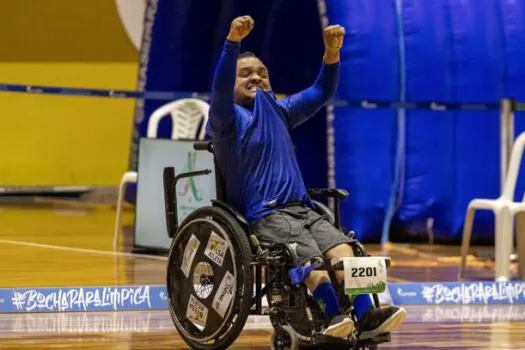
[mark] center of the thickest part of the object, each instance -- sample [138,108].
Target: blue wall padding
[512,14]
[448,45]
[365,139]
[455,51]
[428,186]
[428,51]
[479,63]
[364,163]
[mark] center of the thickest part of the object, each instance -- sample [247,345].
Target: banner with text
[83,299]
[155,297]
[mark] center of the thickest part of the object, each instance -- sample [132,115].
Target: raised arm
[305,104]
[221,104]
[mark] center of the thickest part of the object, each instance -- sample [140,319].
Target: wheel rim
[201,305]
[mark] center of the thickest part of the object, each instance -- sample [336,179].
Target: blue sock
[361,304]
[324,294]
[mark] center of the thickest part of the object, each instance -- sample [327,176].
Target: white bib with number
[364,275]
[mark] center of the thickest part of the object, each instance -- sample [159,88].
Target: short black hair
[246,54]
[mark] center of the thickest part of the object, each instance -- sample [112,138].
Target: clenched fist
[333,37]
[240,28]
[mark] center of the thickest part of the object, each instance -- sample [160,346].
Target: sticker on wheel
[197,312]
[224,294]
[189,254]
[216,249]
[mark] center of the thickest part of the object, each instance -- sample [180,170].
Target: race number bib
[364,275]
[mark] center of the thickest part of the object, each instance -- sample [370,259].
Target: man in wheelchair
[249,129]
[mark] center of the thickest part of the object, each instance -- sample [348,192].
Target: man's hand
[333,41]
[240,28]
[333,37]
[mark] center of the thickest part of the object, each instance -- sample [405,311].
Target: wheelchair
[219,273]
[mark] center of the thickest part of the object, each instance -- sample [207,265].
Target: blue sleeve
[222,112]
[302,106]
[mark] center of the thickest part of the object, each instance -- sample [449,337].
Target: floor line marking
[83,250]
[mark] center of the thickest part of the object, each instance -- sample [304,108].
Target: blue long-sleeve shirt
[253,147]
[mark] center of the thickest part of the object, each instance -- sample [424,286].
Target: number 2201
[364,272]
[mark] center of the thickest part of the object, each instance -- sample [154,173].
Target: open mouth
[253,88]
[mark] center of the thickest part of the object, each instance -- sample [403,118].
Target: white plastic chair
[189,117]
[505,210]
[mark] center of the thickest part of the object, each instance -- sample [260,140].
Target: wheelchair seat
[219,273]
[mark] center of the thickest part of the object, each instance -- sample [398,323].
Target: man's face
[251,74]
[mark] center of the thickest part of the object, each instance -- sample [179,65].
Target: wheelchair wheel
[209,279]
[285,340]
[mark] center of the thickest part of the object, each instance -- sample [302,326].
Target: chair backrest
[189,117]
[514,167]
[219,182]
[207,146]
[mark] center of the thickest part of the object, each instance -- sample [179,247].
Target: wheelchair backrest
[219,180]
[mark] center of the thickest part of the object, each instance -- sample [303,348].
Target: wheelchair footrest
[328,342]
[378,339]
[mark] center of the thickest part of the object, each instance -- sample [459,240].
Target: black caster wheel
[286,339]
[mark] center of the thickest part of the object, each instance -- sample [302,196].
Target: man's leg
[289,227]
[319,284]
[334,244]
[362,303]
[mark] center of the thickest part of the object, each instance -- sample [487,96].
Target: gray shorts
[309,234]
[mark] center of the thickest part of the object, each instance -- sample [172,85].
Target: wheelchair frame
[263,258]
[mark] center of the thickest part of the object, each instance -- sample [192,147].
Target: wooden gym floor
[50,243]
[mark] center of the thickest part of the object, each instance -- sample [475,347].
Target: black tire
[202,224]
[290,339]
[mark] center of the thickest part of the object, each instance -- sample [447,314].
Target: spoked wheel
[209,279]
[286,339]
